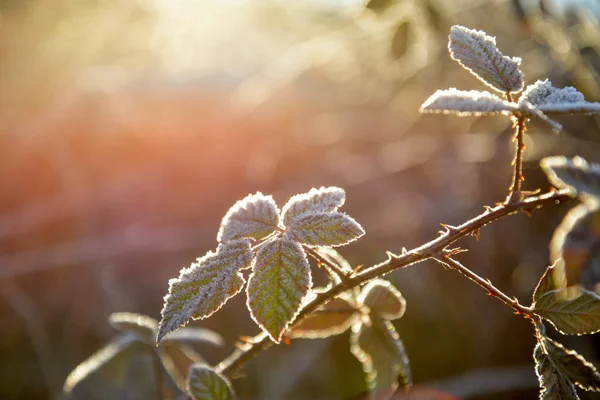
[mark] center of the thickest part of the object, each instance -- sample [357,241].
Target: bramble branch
[245,352]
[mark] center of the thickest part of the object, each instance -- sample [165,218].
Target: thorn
[404,251]
[476,233]
[391,256]
[450,228]
[355,270]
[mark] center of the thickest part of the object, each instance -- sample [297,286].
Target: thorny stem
[485,284]
[432,249]
[515,188]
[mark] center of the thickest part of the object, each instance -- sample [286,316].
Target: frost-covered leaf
[204,383]
[279,282]
[574,248]
[545,284]
[477,52]
[572,311]
[205,286]
[575,174]
[381,353]
[572,365]
[530,111]
[255,216]
[331,319]
[322,200]
[194,335]
[553,384]
[125,369]
[143,325]
[466,102]
[324,229]
[383,298]
[551,100]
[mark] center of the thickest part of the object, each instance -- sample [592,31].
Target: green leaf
[322,200]
[204,383]
[574,174]
[142,325]
[383,298]
[574,247]
[572,311]
[554,385]
[125,369]
[545,284]
[381,353]
[256,216]
[477,53]
[203,288]
[325,229]
[194,335]
[331,319]
[279,282]
[572,365]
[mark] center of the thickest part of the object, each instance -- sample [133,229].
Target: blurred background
[129,127]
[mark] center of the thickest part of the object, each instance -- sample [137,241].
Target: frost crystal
[325,229]
[552,100]
[466,102]
[255,216]
[316,200]
[477,52]
[278,284]
[205,286]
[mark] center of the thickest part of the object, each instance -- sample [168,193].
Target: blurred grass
[128,128]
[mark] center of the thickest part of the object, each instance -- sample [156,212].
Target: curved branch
[231,365]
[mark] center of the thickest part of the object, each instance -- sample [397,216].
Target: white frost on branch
[466,102]
[477,52]
[552,100]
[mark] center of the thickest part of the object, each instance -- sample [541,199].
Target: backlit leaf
[554,385]
[279,282]
[325,229]
[383,298]
[334,257]
[465,103]
[178,358]
[143,325]
[575,174]
[572,311]
[381,353]
[204,383]
[574,248]
[205,286]
[333,318]
[545,284]
[572,365]
[256,216]
[477,52]
[194,335]
[551,100]
[322,200]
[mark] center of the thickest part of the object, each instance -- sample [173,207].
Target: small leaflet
[555,386]
[572,365]
[574,247]
[545,284]
[193,335]
[279,282]
[551,100]
[381,353]
[205,286]
[333,318]
[477,52]
[142,325]
[255,216]
[574,174]
[322,200]
[466,102]
[205,383]
[324,229]
[383,298]
[572,311]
